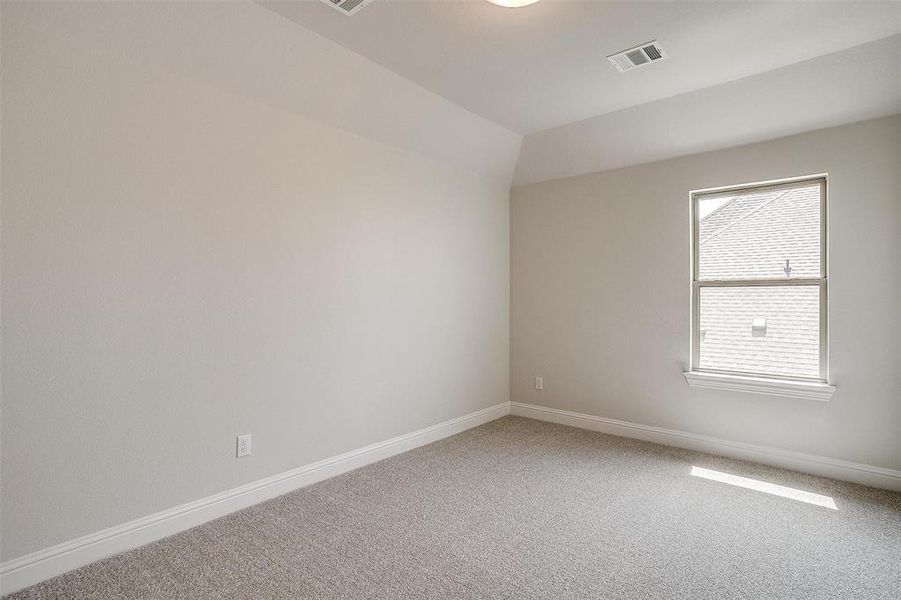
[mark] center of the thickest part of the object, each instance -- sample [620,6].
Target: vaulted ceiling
[543,66]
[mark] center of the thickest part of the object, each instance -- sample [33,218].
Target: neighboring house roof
[731,211]
[750,237]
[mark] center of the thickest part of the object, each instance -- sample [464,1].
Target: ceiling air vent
[636,57]
[348,7]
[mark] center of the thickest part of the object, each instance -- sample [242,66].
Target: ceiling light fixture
[512,3]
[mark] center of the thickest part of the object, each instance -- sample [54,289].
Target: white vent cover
[758,327]
[348,7]
[638,56]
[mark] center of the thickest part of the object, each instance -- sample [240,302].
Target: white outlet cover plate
[244,446]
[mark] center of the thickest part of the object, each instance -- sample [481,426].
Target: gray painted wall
[196,245]
[600,295]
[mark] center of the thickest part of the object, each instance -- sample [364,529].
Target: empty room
[450,299]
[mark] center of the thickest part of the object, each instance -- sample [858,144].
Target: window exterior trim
[789,388]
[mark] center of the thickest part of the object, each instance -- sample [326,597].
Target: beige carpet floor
[524,509]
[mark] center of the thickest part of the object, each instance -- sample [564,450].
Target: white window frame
[747,381]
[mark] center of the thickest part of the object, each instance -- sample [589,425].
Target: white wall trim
[879,477]
[50,562]
[809,390]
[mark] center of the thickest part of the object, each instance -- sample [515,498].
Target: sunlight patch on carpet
[763,486]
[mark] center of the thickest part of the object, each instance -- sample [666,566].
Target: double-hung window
[759,288]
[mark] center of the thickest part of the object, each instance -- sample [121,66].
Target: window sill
[760,385]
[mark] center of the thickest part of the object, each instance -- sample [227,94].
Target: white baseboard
[879,477]
[50,562]
[44,564]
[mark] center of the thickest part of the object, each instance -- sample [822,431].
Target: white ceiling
[863,82]
[543,66]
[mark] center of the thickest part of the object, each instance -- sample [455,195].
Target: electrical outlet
[539,383]
[244,445]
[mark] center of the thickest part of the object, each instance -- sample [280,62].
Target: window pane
[773,330]
[751,234]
